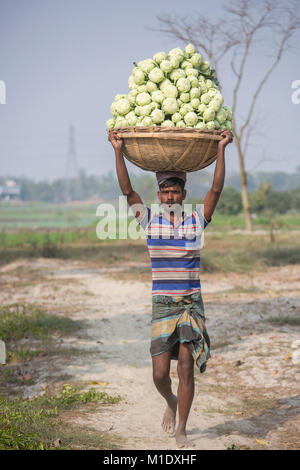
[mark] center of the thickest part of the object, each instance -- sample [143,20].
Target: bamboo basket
[168,149]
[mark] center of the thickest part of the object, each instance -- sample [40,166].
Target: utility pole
[71,167]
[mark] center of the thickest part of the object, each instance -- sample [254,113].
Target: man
[178,320]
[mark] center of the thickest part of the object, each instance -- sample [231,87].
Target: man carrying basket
[178,320]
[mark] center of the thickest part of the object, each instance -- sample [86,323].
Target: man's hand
[115,140]
[228,137]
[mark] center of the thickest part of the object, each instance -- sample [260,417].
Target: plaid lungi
[176,320]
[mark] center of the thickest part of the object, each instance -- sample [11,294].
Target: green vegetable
[122,106]
[168,123]
[205,98]
[166,66]
[131,118]
[151,86]
[186,64]
[176,74]
[221,116]
[228,113]
[203,87]
[190,71]
[175,61]
[156,75]
[190,50]
[157,116]
[185,97]
[202,108]
[138,76]
[217,124]
[110,123]
[119,97]
[193,81]
[209,115]
[195,93]
[121,122]
[215,104]
[178,88]
[146,109]
[228,125]
[113,110]
[186,108]
[183,85]
[166,82]
[147,121]
[204,66]
[141,88]
[195,103]
[131,82]
[196,60]
[210,125]
[146,65]
[191,119]
[170,106]
[159,57]
[143,98]
[158,96]
[176,117]
[171,91]
[131,97]
[200,125]
[177,52]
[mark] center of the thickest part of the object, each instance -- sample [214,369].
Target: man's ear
[158,195]
[183,194]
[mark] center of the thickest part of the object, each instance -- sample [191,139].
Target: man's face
[171,195]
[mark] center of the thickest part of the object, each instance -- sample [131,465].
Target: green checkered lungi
[180,319]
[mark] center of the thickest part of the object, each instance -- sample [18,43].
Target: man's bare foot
[169,419]
[181,440]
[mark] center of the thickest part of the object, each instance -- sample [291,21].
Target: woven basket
[168,149]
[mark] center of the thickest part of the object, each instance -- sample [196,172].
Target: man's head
[171,187]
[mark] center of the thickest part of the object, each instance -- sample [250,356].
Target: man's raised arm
[213,195]
[122,173]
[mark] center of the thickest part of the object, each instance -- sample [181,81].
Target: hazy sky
[63,61]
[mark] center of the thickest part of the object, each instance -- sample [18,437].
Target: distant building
[9,190]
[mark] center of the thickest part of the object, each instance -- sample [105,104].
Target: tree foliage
[230,202]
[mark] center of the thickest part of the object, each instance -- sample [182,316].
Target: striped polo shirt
[174,250]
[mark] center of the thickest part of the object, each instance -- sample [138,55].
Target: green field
[68,231]
[37,215]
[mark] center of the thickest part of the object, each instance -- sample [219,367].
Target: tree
[246,24]
[267,200]
[230,202]
[295,197]
[146,186]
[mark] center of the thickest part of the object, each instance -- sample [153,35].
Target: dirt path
[249,395]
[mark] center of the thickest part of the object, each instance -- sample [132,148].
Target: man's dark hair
[172,182]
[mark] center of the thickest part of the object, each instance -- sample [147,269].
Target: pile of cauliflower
[178,89]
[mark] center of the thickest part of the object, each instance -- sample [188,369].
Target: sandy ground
[249,394]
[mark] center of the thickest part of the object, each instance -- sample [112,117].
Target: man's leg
[185,392]
[162,381]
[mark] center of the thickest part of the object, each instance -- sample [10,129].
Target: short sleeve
[144,217]
[200,212]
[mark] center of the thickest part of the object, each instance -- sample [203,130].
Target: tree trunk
[245,198]
[272,237]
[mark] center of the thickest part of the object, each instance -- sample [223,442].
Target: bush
[230,202]
[265,199]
